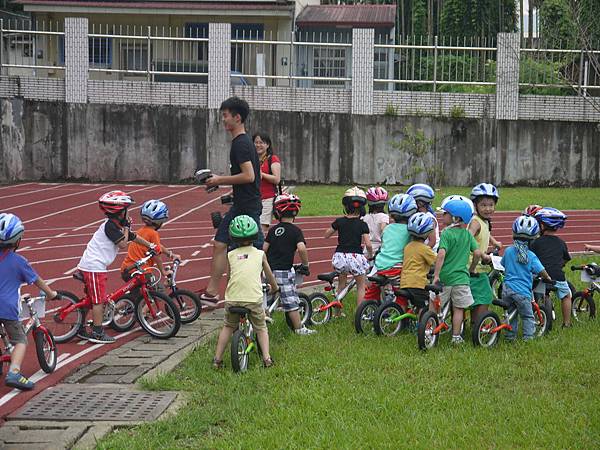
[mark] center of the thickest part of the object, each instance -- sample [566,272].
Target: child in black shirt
[281,244]
[352,234]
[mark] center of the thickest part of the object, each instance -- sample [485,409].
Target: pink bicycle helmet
[376,195]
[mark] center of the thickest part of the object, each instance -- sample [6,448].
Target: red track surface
[60,219]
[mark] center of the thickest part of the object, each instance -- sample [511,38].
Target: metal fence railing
[432,63]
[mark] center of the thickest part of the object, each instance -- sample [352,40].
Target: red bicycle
[45,346]
[155,311]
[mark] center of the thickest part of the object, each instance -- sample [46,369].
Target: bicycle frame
[172,279]
[248,331]
[33,322]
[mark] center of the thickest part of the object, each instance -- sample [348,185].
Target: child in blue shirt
[15,271]
[520,264]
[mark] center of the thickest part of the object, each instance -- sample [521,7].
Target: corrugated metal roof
[348,15]
[158,4]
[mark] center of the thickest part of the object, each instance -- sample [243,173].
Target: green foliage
[390,110]
[477,17]
[419,17]
[536,70]
[457,112]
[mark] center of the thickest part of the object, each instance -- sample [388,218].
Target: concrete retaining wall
[103,142]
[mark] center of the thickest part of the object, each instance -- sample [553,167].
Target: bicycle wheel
[305,311]
[363,318]
[543,320]
[239,352]
[385,321]
[583,307]
[65,329]
[45,348]
[159,317]
[482,333]
[426,337]
[320,315]
[188,303]
[124,314]
[495,278]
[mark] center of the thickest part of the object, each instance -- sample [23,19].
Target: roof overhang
[348,16]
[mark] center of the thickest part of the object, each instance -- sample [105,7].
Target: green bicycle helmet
[243,227]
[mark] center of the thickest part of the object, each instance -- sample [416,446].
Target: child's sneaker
[268,363]
[217,364]
[101,338]
[457,340]
[305,331]
[82,333]
[17,380]
[268,319]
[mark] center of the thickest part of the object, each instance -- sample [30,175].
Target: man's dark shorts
[222,234]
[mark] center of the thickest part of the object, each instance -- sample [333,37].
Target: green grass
[320,200]
[340,390]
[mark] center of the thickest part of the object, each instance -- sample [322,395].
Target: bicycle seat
[329,276]
[239,310]
[435,288]
[378,279]
[78,276]
[500,302]
[404,294]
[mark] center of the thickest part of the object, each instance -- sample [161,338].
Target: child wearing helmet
[418,258]
[484,196]
[424,195]
[353,233]
[281,244]
[154,214]
[112,234]
[376,219]
[244,287]
[14,272]
[456,246]
[520,264]
[553,253]
[388,261]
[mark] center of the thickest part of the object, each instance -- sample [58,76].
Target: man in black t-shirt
[245,179]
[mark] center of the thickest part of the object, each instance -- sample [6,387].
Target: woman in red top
[270,175]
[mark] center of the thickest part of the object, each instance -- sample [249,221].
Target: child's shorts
[419,297]
[460,295]
[95,286]
[352,263]
[15,331]
[286,280]
[256,316]
[562,289]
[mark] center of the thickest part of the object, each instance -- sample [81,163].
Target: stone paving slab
[28,435]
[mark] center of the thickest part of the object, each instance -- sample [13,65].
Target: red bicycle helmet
[114,202]
[287,203]
[531,210]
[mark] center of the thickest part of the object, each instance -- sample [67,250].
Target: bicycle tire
[190,309]
[317,301]
[382,318]
[583,307]
[543,324]
[364,317]
[305,311]
[495,283]
[66,329]
[426,339]
[239,356]
[167,311]
[46,350]
[480,331]
[125,307]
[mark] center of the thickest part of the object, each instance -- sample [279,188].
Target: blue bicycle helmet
[458,207]
[485,190]
[421,192]
[420,225]
[551,217]
[402,204]
[526,228]
[11,229]
[155,211]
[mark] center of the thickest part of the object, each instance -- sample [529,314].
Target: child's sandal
[217,364]
[268,363]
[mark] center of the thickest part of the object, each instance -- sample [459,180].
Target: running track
[60,219]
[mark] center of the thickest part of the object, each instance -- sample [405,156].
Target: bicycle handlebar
[574,268]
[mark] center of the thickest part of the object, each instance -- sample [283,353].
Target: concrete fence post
[507,76]
[219,63]
[363,41]
[76,60]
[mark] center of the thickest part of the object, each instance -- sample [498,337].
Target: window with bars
[198,30]
[100,51]
[329,62]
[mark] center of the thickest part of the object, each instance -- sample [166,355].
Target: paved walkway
[102,394]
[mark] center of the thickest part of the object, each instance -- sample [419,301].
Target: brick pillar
[507,76]
[219,63]
[363,41]
[76,60]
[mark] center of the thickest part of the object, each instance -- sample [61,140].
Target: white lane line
[196,253]
[15,185]
[184,262]
[43,242]
[76,207]
[70,271]
[194,209]
[57,198]
[138,207]
[60,235]
[32,192]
